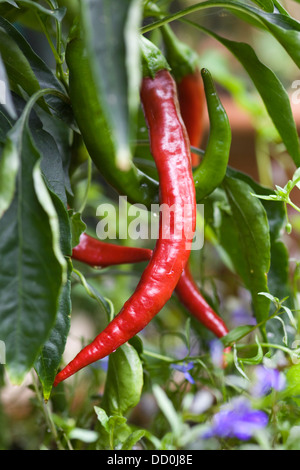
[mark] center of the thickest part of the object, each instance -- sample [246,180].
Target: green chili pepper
[211,171]
[138,187]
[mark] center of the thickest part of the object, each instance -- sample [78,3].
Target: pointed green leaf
[43,75]
[78,227]
[56,13]
[124,381]
[167,408]
[266,5]
[271,90]
[31,275]
[50,357]
[245,236]
[284,28]
[11,2]
[17,66]
[131,440]
[236,334]
[278,275]
[9,164]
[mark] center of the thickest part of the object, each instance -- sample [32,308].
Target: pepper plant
[102,101]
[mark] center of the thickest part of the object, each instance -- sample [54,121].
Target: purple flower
[185,368]
[267,379]
[217,352]
[237,419]
[241,316]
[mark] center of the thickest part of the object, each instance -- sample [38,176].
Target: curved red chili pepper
[100,254]
[190,296]
[192,103]
[171,152]
[96,253]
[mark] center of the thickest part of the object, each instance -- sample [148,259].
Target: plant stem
[89,178]
[197,7]
[47,414]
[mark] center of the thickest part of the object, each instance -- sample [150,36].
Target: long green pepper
[92,123]
[212,169]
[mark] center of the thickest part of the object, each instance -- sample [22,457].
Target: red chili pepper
[100,254]
[170,148]
[97,253]
[184,63]
[192,98]
[189,294]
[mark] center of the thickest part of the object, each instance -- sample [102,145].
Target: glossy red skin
[190,296]
[96,253]
[171,152]
[192,99]
[99,254]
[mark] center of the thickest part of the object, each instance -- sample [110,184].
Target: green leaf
[84,435]
[9,165]
[168,410]
[284,28]
[102,417]
[112,430]
[271,90]
[131,440]
[293,381]
[257,359]
[111,32]
[31,274]
[43,74]
[278,275]
[57,13]
[94,294]
[51,164]
[78,227]
[124,381]
[275,211]
[47,363]
[17,66]
[236,334]
[45,200]
[11,2]
[280,8]
[245,236]
[62,137]
[266,5]
[5,127]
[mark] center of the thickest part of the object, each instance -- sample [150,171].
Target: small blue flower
[267,379]
[185,368]
[237,419]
